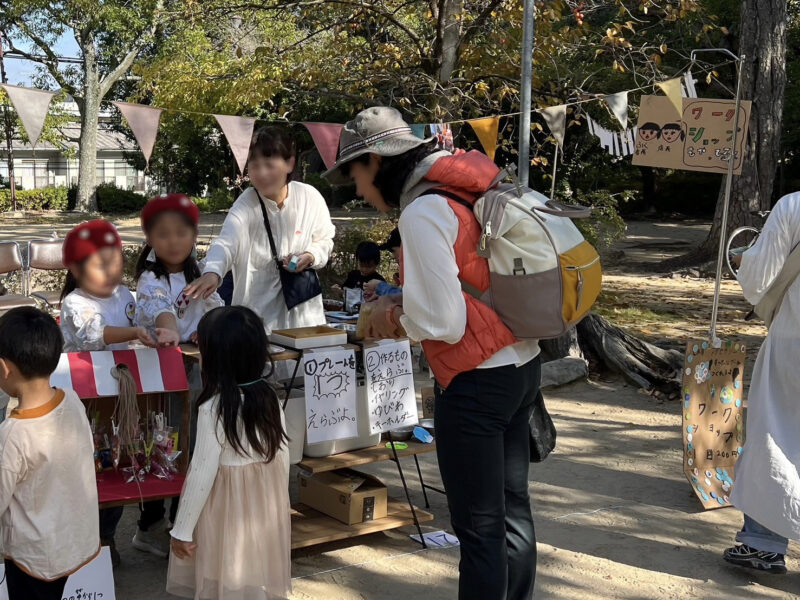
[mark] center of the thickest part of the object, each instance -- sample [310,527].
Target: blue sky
[20,72]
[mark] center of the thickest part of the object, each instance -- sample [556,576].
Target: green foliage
[111,199]
[606,225]
[52,198]
[219,199]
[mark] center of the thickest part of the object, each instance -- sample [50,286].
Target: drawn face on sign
[649,132]
[672,132]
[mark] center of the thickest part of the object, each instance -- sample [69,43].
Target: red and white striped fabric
[89,373]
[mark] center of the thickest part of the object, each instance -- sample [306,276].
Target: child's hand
[193,338]
[167,337]
[182,549]
[144,336]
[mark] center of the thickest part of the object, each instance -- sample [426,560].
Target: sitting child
[377,287]
[46,449]
[368,255]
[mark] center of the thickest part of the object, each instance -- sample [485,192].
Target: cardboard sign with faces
[698,139]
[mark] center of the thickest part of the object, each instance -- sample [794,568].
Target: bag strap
[268,228]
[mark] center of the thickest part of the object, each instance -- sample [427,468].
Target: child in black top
[368,255]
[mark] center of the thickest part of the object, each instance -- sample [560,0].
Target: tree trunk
[450,38]
[89,108]
[649,189]
[762,40]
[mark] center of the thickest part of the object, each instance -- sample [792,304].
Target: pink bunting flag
[326,138]
[143,121]
[31,106]
[238,131]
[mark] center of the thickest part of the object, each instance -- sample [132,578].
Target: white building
[46,165]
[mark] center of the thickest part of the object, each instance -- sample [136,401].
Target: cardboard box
[427,402]
[346,495]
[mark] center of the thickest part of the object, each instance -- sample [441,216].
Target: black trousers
[153,511]
[22,586]
[483,447]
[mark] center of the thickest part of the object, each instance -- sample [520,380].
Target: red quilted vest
[468,175]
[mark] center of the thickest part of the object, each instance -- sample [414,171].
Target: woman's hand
[193,338]
[182,549]
[370,293]
[304,261]
[203,287]
[379,325]
[167,337]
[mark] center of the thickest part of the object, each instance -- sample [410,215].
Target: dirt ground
[615,517]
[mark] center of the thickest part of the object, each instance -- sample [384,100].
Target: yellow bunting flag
[487,129]
[672,88]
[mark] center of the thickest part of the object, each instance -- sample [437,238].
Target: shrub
[51,198]
[219,199]
[111,199]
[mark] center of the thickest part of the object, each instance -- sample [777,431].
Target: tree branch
[477,24]
[113,76]
[49,61]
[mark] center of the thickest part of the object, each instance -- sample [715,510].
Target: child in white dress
[231,538]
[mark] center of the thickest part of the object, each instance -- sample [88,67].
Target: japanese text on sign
[713,429]
[330,381]
[391,398]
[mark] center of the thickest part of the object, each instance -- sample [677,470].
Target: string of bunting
[33,104]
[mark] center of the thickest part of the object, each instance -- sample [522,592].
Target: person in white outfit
[301,227]
[767,488]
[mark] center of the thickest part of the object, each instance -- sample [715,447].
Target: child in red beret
[166,265]
[97,313]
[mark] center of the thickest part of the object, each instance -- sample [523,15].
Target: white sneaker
[152,541]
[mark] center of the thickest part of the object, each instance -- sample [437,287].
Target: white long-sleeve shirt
[210,452]
[303,224]
[48,490]
[433,303]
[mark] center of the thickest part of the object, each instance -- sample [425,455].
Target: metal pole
[555,166]
[525,92]
[9,126]
[715,341]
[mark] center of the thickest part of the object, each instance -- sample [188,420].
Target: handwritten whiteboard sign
[330,378]
[713,425]
[391,398]
[95,581]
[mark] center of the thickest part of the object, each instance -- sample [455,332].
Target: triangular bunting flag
[419,130]
[31,106]
[143,121]
[556,119]
[618,103]
[238,131]
[672,88]
[326,138]
[487,129]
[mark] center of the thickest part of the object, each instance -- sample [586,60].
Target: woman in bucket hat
[486,379]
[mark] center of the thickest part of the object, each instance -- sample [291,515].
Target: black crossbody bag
[297,287]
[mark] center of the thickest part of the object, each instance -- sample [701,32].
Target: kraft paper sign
[330,382]
[713,422]
[701,139]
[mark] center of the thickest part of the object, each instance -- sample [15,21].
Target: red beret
[87,238]
[170,202]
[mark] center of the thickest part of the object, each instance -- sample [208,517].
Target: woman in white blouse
[301,226]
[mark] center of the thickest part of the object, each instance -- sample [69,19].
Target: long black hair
[234,349]
[191,270]
[70,283]
[394,171]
